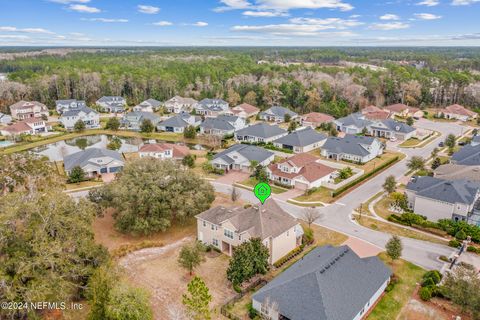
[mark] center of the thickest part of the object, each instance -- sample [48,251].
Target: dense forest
[332,80]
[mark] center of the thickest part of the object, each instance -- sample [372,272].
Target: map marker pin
[262,191]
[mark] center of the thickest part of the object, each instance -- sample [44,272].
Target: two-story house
[90,118]
[134,120]
[179,104]
[354,123]
[352,148]
[28,109]
[260,132]
[64,105]
[222,125]
[227,228]
[211,107]
[113,104]
[28,126]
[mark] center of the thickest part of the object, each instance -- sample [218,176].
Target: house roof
[451,191]
[350,144]
[111,99]
[310,169]
[468,155]
[178,151]
[248,108]
[355,119]
[397,107]
[140,115]
[18,127]
[329,283]
[175,121]
[218,123]
[261,130]
[154,103]
[251,153]
[207,101]
[302,137]
[317,117]
[396,126]
[375,113]
[83,157]
[182,100]
[279,111]
[461,110]
[452,171]
[261,221]
[27,104]
[74,112]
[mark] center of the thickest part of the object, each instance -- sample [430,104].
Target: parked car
[441,144]
[461,143]
[393,139]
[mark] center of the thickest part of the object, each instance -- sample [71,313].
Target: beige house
[458,112]
[28,109]
[226,228]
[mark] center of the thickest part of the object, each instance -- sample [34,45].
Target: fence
[224,309]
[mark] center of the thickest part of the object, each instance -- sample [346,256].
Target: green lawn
[252,182]
[321,195]
[416,143]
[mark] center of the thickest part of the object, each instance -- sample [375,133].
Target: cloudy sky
[240,22]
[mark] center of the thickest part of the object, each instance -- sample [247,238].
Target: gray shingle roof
[469,155]
[74,112]
[216,123]
[329,283]
[355,119]
[83,157]
[280,111]
[154,103]
[252,153]
[140,115]
[175,121]
[261,130]
[301,138]
[350,144]
[396,126]
[108,99]
[451,191]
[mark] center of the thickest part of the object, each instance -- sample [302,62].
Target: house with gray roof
[94,161]
[211,107]
[179,104]
[5,118]
[475,141]
[390,128]
[133,120]
[240,156]
[302,140]
[88,116]
[277,114]
[444,199]
[468,155]
[450,171]
[179,122]
[114,104]
[223,125]
[329,283]
[227,228]
[354,123]
[352,148]
[64,105]
[260,132]
[149,105]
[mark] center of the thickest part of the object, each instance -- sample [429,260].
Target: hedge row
[295,252]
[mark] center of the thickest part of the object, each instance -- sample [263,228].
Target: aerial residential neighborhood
[239,159]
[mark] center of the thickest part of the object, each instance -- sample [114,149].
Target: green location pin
[262,191]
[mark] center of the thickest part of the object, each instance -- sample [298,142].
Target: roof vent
[322,270]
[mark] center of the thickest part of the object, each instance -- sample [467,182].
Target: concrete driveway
[232,177]
[292,193]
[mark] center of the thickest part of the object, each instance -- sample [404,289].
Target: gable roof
[154,103]
[375,113]
[178,151]
[75,111]
[302,138]
[397,107]
[261,130]
[396,126]
[175,121]
[181,100]
[310,169]
[17,127]
[251,153]
[109,99]
[248,108]
[83,157]
[317,117]
[468,155]
[140,115]
[27,104]
[329,283]
[461,110]
[279,111]
[355,119]
[218,123]
[452,171]
[350,144]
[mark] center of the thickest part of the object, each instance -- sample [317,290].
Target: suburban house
[352,148]
[315,119]
[28,109]
[375,113]
[179,122]
[302,140]
[475,141]
[329,283]
[458,112]
[90,117]
[444,199]
[179,104]
[31,126]
[94,161]
[223,125]
[392,129]
[64,105]
[244,110]
[227,228]
[5,118]
[354,123]
[301,171]
[403,111]
[211,107]
[149,105]
[112,104]
[452,171]
[260,132]
[134,120]
[163,151]
[468,155]
[240,157]
[277,114]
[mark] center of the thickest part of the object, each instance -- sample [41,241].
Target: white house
[211,107]
[90,117]
[352,148]
[149,105]
[458,112]
[179,122]
[29,126]
[260,132]
[179,104]
[277,114]
[114,104]
[5,118]
[163,151]
[222,125]
[65,105]
[240,157]
[302,140]
[94,161]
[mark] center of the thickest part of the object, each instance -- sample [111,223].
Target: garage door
[301,185]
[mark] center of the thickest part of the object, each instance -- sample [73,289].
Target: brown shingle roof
[461,110]
[248,108]
[317,117]
[398,107]
[178,151]
[18,127]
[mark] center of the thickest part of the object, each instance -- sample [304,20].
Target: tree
[128,303]
[436,163]
[76,175]
[462,286]
[79,126]
[233,97]
[114,144]
[253,165]
[189,160]
[287,117]
[410,121]
[310,215]
[235,195]
[100,285]
[333,131]
[149,195]
[345,173]
[394,248]
[147,126]
[197,300]
[190,132]
[450,142]
[249,259]
[261,173]
[191,256]
[416,163]
[250,98]
[364,131]
[390,184]
[434,153]
[112,124]
[292,126]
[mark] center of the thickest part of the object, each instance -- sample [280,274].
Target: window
[204,223]
[214,227]
[215,242]
[227,233]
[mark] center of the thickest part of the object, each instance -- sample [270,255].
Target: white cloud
[83,8]
[427,16]
[200,24]
[428,3]
[389,16]
[389,26]
[107,20]
[283,5]
[331,23]
[265,14]
[463,2]
[162,23]
[147,9]
[26,30]
[11,36]
[69,1]
[232,5]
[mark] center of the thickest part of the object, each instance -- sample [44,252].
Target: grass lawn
[392,302]
[252,182]
[416,143]
[321,195]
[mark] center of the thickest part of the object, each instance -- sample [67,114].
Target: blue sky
[240,22]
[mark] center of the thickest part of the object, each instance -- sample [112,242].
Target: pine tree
[197,300]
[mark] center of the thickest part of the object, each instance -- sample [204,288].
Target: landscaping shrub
[308,237]
[473,249]
[392,284]
[425,293]
[454,243]
[428,282]
[461,235]
[434,275]
[288,256]
[444,258]
[252,312]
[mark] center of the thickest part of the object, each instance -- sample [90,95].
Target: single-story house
[260,132]
[179,104]
[352,148]
[29,126]
[301,171]
[315,119]
[468,155]
[163,151]
[240,157]
[149,105]
[443,199]
[179,122]
[302,140]
[375,113]
[133,120]
[354,123]
[391,128]
[277,114]
[403,111]
[222,125]
[64,105]
[329,283]
[5,118]
[227,228]
[28,109]
[71,116]
[113,104]
[244,110]
[458,112]
[211,107]
[450,171]
[94,161]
